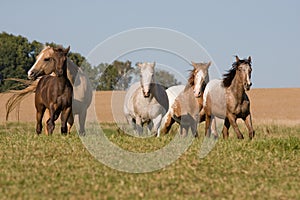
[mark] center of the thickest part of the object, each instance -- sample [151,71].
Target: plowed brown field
[267,106]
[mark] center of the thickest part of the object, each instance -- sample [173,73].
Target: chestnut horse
[55,94]
[188,104]
[227,99]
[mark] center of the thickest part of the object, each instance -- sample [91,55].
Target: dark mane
[229,76]
[191,82]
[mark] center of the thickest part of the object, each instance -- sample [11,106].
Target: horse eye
[46,59]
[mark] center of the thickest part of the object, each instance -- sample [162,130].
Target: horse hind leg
[207,125]
[214,127]
[82,118]
[70,122]
[226,127]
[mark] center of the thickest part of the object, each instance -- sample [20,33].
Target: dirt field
[267,106]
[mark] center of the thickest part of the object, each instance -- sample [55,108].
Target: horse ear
[193,63]
[153,64]
[249,59]
[208,64]
[66,51]
[237,59]
[138,64]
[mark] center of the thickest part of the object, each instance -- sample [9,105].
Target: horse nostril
[250,84]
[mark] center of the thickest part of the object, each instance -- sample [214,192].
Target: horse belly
[216,92]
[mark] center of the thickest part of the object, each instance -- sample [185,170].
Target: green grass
[60,167]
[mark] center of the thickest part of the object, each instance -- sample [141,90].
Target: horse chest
[237,107]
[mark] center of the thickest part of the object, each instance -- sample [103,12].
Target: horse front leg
[39,116]
[156,125]
[139,127]
[64,119]
[50,121]
[248,122]
[194,130]
[207,125]
[232,119]
[46,116]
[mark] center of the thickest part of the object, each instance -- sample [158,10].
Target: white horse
[82,89]
[146,102]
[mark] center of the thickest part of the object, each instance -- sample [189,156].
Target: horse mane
[229,76]
[191,78]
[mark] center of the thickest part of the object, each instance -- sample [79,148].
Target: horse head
[146,76]
[49,60]
[244,69]
[199,77]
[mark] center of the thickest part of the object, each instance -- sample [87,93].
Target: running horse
[186,109]
[55,94]
[146,102]
[227,99]
[82,89]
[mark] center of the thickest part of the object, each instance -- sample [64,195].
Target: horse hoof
[241,137]
[81,133]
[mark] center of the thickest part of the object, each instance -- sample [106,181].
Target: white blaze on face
[33,67]
[147,74]
[198,83]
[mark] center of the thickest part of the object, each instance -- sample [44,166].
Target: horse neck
[189,86]
[237,87]
[72,70]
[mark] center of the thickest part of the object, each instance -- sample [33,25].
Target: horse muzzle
[247,86]
[146,94]
[34,74]
[197,94]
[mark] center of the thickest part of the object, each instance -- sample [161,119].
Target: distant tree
[114,76]
[17,55]
[165,78]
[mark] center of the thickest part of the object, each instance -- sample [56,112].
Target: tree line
[18,54]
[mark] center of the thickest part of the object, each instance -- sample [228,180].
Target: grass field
[60,167]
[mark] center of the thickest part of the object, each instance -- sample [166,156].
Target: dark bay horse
[55,94]
[82,89]
[188,104]
[227,99]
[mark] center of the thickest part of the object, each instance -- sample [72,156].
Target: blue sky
[267,30]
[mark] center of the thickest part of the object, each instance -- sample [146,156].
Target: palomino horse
[55,94]
[82,89]
[188,104]
[145,102]
[227,99]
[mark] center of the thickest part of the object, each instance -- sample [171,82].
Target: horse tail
[18,95]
